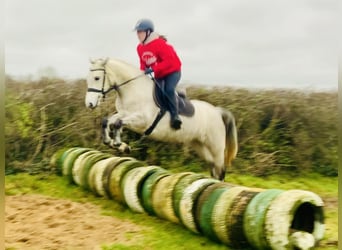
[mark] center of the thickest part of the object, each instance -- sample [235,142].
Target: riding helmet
[144,25]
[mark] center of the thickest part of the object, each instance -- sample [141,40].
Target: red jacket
[159,55]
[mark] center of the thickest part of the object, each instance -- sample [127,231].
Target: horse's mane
[127,71]
[130,67]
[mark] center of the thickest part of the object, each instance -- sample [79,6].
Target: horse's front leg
[111,133]
[134,121]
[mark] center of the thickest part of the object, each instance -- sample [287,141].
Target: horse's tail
[231,137]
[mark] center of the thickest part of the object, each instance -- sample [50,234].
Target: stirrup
[176,122]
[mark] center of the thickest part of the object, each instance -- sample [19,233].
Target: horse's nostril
[91,105]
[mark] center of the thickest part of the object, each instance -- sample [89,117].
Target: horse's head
[128,81]
[97,81]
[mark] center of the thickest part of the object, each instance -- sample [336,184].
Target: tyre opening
[305,216]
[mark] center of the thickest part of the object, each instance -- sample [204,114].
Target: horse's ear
[105,61]
[92,61]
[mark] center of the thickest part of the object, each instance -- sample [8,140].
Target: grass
[323,186]
[160,234]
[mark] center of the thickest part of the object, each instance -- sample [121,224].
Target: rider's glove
[148,71]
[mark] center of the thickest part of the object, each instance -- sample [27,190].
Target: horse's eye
[97,78]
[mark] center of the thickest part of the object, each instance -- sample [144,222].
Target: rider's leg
[171,82]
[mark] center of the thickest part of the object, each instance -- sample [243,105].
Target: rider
[159,57]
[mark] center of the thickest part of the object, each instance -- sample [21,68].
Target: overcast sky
[243,43]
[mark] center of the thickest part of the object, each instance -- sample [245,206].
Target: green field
[161,234]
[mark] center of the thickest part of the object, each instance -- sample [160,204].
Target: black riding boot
[176,122]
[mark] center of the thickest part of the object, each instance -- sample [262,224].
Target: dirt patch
[39,222]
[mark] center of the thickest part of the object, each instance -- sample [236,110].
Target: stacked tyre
[237,216]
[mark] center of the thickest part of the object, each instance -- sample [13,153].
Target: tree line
[280,131]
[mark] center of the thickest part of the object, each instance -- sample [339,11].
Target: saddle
[185,107]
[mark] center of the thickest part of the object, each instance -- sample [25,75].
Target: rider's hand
[148,71]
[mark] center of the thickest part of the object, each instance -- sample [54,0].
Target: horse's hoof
[128,150]
[124,148]
[114,144]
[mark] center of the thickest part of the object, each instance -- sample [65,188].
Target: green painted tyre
[179,190]
[221,210]
[148,188]
[55,163]
[92,175]
[69,161]
[79,164]
[205,206]
[290,212]
[108,171]
[64,159]
[189,200]
[162,199]
[117,176]
[254,218]
[234,219]
[61,160]
[88,163]
[100,168]
[131,186]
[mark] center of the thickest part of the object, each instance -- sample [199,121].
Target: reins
[114,87]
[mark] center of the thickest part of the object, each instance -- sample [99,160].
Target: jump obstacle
[238,216]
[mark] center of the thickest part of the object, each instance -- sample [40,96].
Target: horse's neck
[135,93]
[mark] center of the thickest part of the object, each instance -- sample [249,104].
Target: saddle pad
[185,107]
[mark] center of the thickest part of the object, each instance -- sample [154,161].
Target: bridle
[116,87]
[113,87]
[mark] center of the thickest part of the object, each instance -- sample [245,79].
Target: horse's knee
[116,125]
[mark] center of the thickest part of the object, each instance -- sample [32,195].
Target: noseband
[114,87]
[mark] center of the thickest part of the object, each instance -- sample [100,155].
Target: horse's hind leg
[216,159]
[205,154]
[218,171]
[202,151]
